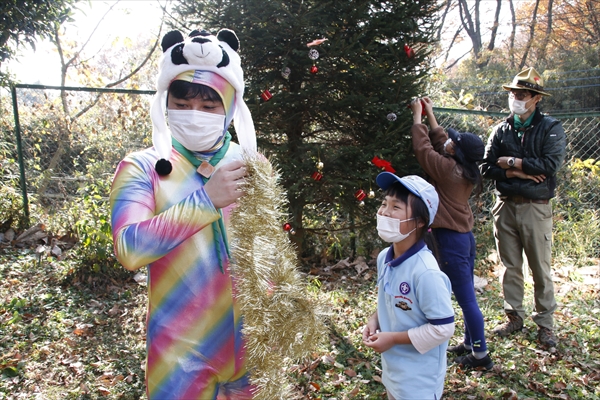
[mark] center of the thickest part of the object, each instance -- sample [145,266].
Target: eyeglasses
[519,95]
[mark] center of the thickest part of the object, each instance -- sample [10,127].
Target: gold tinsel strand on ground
[283,321]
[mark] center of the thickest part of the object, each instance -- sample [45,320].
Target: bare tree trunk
[492,43]
[471,25]
[531,34]
[513,32]
[63,129]
[546,39]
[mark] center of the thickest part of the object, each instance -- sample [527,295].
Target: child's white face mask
[196,130]
[389,229]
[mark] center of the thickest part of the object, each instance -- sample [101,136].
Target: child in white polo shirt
[414,318]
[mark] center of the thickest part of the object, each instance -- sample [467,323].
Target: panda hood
[201,51]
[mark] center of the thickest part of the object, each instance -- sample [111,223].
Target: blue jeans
[457,261]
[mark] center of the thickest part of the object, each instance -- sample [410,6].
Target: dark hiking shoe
[515,323]
[470,361]
[459,349]
[547,337]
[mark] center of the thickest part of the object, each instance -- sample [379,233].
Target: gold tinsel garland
[283,321]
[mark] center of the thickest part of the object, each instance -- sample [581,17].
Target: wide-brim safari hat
[528,79]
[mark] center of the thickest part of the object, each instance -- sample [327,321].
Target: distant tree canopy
[560,38]
[26,20]
[337,114]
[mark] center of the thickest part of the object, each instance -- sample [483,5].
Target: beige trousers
[526,228]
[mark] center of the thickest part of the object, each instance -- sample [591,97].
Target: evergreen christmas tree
[323,109]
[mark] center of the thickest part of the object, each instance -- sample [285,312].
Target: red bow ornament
[383,164]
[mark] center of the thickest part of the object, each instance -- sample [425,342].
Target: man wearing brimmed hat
[522,156]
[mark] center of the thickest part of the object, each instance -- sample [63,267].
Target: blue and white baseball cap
[417,186]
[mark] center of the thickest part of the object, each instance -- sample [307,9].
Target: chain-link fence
[579,179]
[66,143]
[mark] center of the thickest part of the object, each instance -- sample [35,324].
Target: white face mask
[389,229]
[196,130]
[518,107]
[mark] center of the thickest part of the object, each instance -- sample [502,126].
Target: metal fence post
[13,92]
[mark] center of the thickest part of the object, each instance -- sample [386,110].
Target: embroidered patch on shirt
[404,288]
[403,306]
[404,298]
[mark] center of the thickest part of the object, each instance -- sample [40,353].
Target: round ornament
[286,72]
[313,54]
[287,227]
[319,165]
[314,69]
[392,117]
[371,194]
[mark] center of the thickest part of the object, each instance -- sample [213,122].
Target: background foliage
[559,38]
[23,21]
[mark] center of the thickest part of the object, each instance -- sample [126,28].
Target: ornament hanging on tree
[316,42]
[383,164]
[410,53]
[392,117]
[360,195]
[285,73]
[317,175]
[371,194]
[288,228]
[266,95]
[313,54]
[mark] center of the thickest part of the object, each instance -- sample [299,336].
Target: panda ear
[229,37]
[170,39]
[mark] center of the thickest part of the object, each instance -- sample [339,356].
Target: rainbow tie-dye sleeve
[194,338]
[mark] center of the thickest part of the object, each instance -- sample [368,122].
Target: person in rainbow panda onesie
[170,211]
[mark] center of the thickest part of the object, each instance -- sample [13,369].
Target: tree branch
[531,34]
[513,33]
[76,55]
[456,61]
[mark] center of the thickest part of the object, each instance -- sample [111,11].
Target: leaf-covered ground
[68,337]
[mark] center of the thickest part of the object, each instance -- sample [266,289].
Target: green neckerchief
[520,126]
[218,226]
